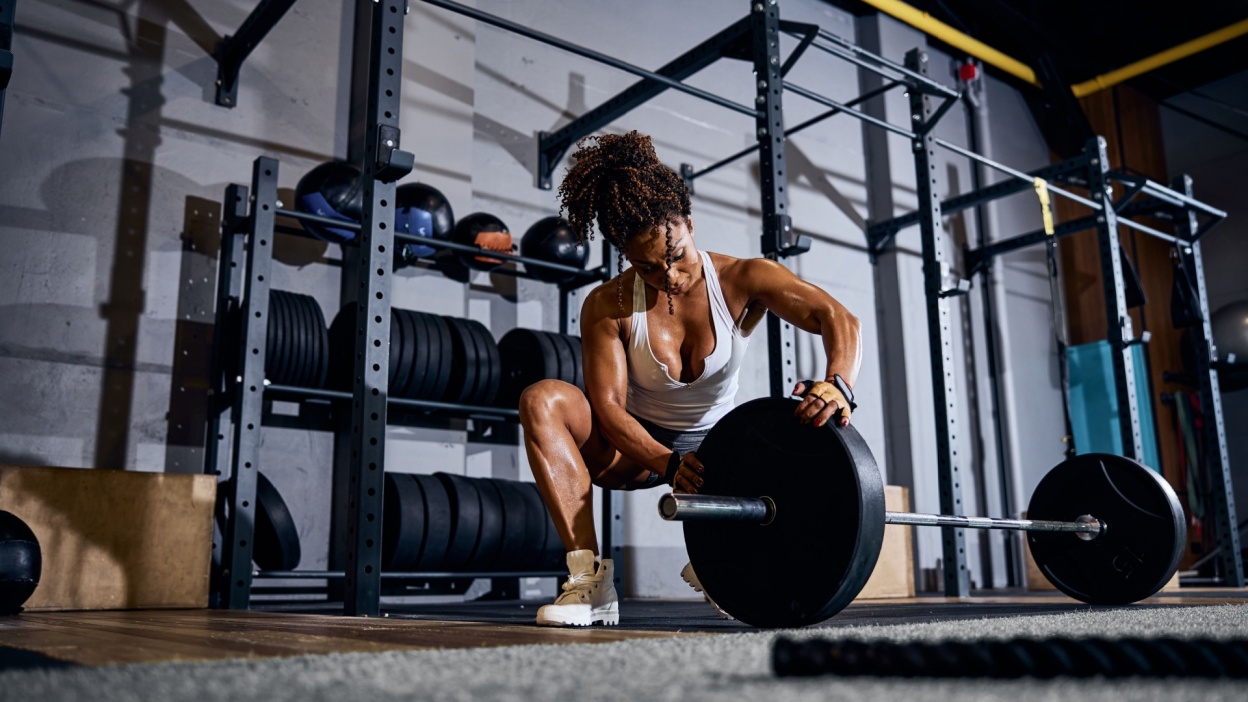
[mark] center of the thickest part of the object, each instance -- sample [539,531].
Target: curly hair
[619,181]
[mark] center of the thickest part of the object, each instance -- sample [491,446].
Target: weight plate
[275,543]
[490,539]
[303,341]
[438,524]
[465,518]
[403,522]
[535,523]
[289,370]
[1145,530]
[441,354]
[424,356]
[463,362]
[829,510]
[321,338]
[400,352]
[274,364]
[526,356]
[339,375]
[515,531]
[479,371]
[488,370]
[563,352]
[272,336]
[578,360]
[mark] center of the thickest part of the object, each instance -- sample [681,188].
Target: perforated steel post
[249,397]
[1118,320]
[1213,438]
[370,379]
[940,334]
[777,237]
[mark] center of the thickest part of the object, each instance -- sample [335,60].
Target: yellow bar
[1158,60]
[925,22]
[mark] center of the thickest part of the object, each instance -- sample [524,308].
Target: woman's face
[647,252]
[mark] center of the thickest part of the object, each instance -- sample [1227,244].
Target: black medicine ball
[333,189]
[551,239]
[484,230]
[21,563]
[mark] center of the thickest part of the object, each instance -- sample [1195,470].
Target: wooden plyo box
[894,572]
[115,539]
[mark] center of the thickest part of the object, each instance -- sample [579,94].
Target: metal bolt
[389,142]
[758,7]
[775,60]
[1095,161]
[762,131]
[762,85]
[1100,218]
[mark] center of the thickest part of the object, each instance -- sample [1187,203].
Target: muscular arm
[606,381]
[810,309]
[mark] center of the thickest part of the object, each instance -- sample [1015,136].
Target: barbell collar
[762,510]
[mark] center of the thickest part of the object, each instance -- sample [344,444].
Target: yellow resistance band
[1046,209]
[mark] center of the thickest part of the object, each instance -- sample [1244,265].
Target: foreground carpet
[714,667]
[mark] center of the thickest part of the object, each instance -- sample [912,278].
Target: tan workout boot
[588,595]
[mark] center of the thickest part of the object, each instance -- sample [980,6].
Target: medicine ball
[1230,335]
[422,210]
[333,189]
[551,239]
[484,230]
[21,562]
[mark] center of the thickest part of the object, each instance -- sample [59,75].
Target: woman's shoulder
[605,299]
[731,269]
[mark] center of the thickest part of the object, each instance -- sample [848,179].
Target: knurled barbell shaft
[685,508]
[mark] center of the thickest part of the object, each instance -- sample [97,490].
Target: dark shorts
[681,442]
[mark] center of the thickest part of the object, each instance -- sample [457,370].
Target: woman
[663,343]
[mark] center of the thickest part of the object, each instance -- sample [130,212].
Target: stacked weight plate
[297,349]
[452,523]
[529,355]
[432,357]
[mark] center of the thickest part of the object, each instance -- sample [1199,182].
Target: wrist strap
[673,465]
[843,386]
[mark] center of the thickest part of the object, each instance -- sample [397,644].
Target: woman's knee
[551,400]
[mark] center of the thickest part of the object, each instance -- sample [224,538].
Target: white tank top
[652,392]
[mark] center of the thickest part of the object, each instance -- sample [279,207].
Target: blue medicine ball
[335,190]
[422,210]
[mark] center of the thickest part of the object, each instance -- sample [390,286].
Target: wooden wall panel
[1131,126]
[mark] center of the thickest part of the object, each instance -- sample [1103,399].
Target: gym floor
[42,639]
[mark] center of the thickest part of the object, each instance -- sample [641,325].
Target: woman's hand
[821,401]
[689,473]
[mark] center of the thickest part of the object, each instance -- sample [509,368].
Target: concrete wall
[113,160]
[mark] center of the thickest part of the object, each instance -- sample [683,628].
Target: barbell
[789,521]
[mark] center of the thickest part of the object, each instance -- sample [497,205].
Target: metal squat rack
[249,226]
[1090,170]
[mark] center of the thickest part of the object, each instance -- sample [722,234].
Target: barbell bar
[683,507]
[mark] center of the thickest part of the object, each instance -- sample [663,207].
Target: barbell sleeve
[679,507]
